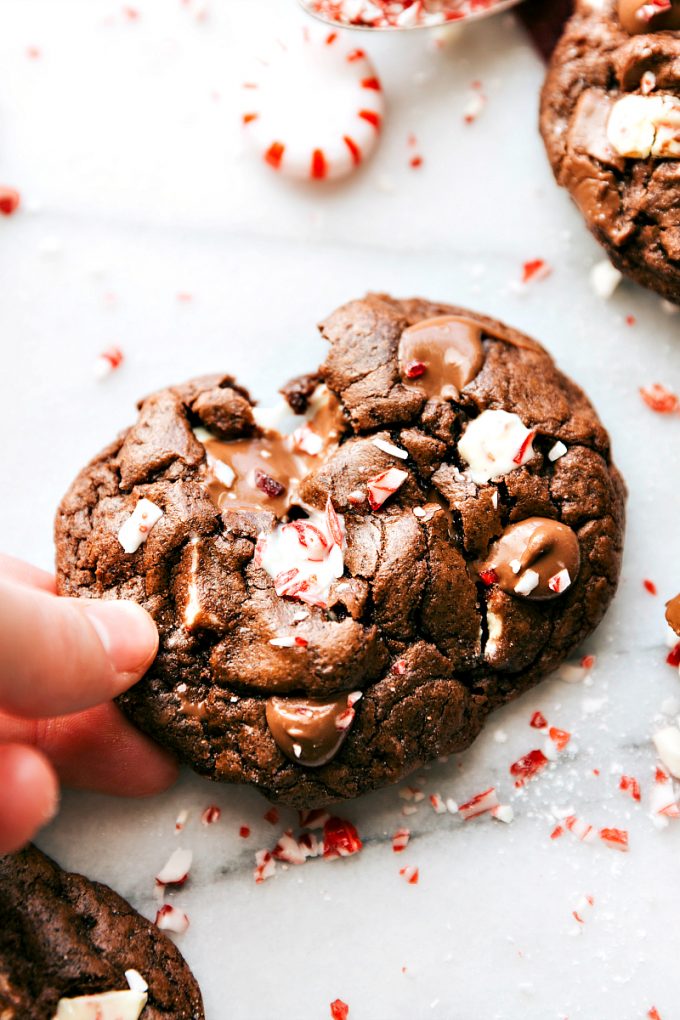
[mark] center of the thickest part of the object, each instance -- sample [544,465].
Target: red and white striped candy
[169,918]
[313,109]
[382,486]
[479,805]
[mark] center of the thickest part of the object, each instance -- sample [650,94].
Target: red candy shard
[410,874]
[649,586]
[527,767]
[274,155]
[339,1010]
[415,369]
[479,805]
[535,269]
[169,918]
[654,1014]
[265,866]
[340,839]
[617,839]
[630,320]
[559,737]
[488,577]
[244,832]
[268,485]
[9,200]
[382,486]
[416,162]
[248,118]
[673,657]
[301,641]
[538,721]
[311,539]
[271,816]
[630,785]
[557,832]
[659,399]
[211,814]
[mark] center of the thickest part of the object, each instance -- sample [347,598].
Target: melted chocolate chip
[530,557]
[673,614]
[640,16]
[308,731]
[441,355]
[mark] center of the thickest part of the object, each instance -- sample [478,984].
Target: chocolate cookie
[610,119]
[63,937]
[429,534]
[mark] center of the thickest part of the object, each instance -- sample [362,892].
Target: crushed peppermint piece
[667,744]
[409,809]
[340,839]
[604,279]
[673,657]
[528,766]
[659,399]
[559,737]
[583,907]
[475,103]
[557,451]
[479,805]
[136,982]
[181,820]
[382,486]
[410,874]
[438,805]
[535,269]
[211,815]
[265,866]
[244,831]
[526,584]
[108,361]
[169,918]
[560,581]
[451,806]
[283,642]
[271,816]
[630,785]
[584,832]
[649,586]
[538,721]
[615,839]
[135,530]
[503,813]
[400,840]
[9,200]
[176,869]
[306,440]
[339,1010]
[394,451]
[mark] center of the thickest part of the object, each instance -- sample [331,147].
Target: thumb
[60,655]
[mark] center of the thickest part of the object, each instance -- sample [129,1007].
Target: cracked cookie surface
[63,936]
[629,193]
[412,638]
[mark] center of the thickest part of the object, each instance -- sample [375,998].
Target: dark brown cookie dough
[431,644]
[62,936]
[628,194]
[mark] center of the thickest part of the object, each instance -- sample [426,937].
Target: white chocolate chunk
[136,981]
[667,743]
[527,583]
[303,558]
[136,528]
[642,126]
[124,1005]
[394,451]
[495,443]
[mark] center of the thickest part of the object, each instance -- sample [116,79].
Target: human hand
[61,662]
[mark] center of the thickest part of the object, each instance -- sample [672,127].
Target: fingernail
[126,631]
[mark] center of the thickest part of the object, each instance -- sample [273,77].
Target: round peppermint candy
[314,107]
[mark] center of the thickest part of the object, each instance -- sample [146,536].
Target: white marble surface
[123,137]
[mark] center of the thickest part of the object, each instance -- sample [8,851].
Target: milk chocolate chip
[673,614]
[639,16]
[538,558]
[308,731]
[441,355]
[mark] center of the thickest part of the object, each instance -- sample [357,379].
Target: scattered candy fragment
[584,832]
[181,820]
[557,451]
[108,361]
[9,200]
[382,486]
[659,399]
[536,269]
[395,451]
[340,839]
[654,1014]
[479,805]
[583,907]
[244,832]
[315,107]
[538,721]
[135,530]
[528,766]
[265,866]
[211,815]
[649,586]
[616,839]
[667,743]
[169,918]
[400,840]
[438,805]
[399,13]
[410,874]
[271,816]
[631,786]
[339,1010]
[475,103]
[673,657]
[503,813]
[176,869]
[559,737]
